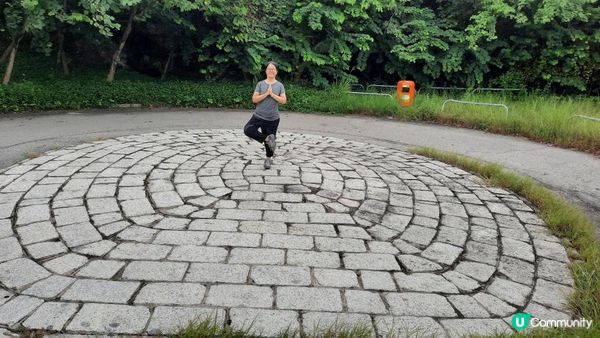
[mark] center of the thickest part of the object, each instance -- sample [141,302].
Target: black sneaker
[268,162]
[270,142]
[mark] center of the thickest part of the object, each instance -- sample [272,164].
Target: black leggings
[266,128]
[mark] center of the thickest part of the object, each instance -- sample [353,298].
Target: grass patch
[211,328]
[30,155]
[565,221]
[39,85]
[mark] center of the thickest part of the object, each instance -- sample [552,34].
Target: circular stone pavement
[140,234]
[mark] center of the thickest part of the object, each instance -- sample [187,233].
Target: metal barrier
[473,89]
[587,117]
[372,94]
[476,103]
[380,86]
[445,88]
[498,89]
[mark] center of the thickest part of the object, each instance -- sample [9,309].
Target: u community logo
[520,321]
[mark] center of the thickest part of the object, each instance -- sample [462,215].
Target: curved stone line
[355,229]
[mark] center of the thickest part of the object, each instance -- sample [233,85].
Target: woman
[268,95]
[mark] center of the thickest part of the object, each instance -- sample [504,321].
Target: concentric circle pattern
[140,234]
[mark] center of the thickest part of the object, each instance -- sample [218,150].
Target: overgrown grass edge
[564,220]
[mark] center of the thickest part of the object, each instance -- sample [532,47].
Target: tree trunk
[9,67]
[167,65]
[61,56]
[61,39]
[11,59]
[14,44]
[117,55]
[7,52]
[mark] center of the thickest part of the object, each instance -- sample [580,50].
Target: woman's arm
[281,99]
[256,97]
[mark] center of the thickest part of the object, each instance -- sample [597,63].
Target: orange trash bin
[406,92]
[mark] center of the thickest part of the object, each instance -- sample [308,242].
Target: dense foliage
[542,44]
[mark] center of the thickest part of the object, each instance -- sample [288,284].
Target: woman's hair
[271,63]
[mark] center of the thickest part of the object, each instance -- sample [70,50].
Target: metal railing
[372,94]
[366,92]
[473,89]
[498,89]
[476,103]
[587,117]
[446,88]
[380,86]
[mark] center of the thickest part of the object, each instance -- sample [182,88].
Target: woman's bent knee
[248,130]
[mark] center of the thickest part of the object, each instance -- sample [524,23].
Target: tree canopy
[542,44]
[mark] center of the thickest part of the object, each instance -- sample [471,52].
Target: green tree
[102,13]
[551,42]
[23,17]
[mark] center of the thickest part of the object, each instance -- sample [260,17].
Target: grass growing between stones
[210,328]
[564,221]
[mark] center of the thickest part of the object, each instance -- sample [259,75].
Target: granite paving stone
[364,302]
[468,306]
[65,264]
[171,293]
[551,294]
[305,298]
[442,253]
[169,319]
[37,232]
[413,263]
[155,271]
[268,323]
[49,287]
[408,326]
[424,282]
[336,278]
[481,327]
[10,249]
[140,251]
[280,275]
[509,291]
[240,295]
[217,272]
[313,258]
[377,280]
[317,323]
[555,271]
[494,305]
[51,316]
[102,269]
[101,291]
[371,261]
[20,272]
[419,304]
[18,308]
[110,319]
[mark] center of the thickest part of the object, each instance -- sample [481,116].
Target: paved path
[136,235]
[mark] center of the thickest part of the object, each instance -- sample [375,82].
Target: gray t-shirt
[268,109]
